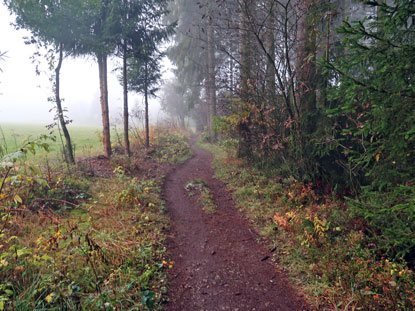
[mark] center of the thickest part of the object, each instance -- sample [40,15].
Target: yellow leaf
[49,297]
[3,263]
[377,157]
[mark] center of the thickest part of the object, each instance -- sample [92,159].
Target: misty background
[24,94]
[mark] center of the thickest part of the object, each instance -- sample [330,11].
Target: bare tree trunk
[211,82]
[231,68]
[68,148]
[324,77]
[103,85]
[246,51]
[182,122]
[126,116]
[307,83]
[146,107]
[245,144]
[305,64]
[270,47]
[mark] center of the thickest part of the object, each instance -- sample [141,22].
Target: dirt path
[218,263]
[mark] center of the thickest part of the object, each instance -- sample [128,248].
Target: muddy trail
[218,263]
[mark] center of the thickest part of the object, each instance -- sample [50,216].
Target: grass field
[84,138]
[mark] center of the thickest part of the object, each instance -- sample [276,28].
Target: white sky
[23,94]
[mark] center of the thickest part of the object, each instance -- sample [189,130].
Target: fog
[23,94]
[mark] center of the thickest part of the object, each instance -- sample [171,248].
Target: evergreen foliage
[373,107]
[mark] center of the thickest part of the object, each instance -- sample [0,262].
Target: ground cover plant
[204,196]
[80,241]
[318,239]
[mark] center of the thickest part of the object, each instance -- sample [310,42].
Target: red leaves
[288,123]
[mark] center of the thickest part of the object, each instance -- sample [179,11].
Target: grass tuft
[199,187]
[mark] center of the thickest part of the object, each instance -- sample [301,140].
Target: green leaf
[148,299]
[8,292]
[13,237]
[42,182]
[23,251]
[17,199]
[13,157]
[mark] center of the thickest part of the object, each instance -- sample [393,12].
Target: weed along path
[218,263]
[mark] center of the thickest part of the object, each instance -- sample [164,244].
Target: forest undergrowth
[72,240]
[327,250]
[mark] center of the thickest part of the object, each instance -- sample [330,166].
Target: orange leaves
[282,222]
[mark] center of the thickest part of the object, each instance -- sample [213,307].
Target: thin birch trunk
[68,146]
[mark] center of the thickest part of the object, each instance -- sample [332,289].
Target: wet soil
[219,265]
[140,165]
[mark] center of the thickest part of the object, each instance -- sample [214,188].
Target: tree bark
[146,107]
[305,64]
[270,47]
[246,51]
[211,82]
[244,128]
[126,116]
[103,83]
[68,148]
[307,84]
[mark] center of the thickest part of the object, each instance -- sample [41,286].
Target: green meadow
[85,140]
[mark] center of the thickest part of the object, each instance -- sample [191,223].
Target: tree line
[128,29]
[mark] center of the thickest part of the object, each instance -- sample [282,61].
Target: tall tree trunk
[182,122]
[307,83]
[211,82]
[103,86]
[322,96]
[305,66]
[245,143]
[246,50]
[126,116]
[68,148]
[146,107]
[231,68]
[270,47]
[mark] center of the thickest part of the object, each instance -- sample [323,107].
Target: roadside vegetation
[79,241]
[327,248]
